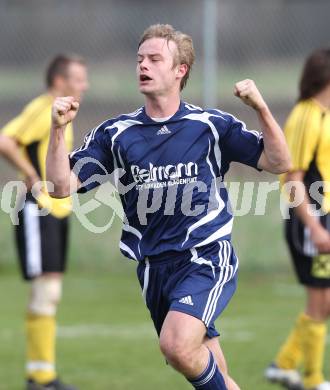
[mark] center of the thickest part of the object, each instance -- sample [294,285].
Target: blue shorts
[199,282]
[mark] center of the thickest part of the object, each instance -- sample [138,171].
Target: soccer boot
[290,379]
[322,386]
[54,385]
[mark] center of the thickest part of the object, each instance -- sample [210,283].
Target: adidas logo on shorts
[187,300]
[163,130]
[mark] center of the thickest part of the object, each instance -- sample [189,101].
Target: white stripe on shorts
[32,239]
[146,281]
[226,277]
[230,271]
[225,274]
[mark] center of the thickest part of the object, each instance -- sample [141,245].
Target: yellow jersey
[31,129]
[307,132]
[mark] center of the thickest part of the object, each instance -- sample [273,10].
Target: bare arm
[320,236]
[9,148]
[276,156]
[58,170]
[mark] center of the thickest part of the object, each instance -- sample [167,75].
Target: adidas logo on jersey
[187,300]
[163,130]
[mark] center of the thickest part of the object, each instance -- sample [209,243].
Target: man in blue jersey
[168,160]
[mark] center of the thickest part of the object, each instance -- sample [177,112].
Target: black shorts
[41,242]
[312,269]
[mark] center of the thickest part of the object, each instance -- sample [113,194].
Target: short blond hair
[184,43]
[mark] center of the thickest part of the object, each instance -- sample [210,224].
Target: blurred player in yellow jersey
[42,240]
[308,234]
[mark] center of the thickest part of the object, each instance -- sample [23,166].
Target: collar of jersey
[177,115]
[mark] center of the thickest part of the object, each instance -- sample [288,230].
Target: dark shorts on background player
[311,269]
[41,242]
[199,282]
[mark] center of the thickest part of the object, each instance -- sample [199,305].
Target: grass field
[106,339]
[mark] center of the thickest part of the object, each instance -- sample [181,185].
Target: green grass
[106,339]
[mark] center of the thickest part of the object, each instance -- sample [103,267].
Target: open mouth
[144,77]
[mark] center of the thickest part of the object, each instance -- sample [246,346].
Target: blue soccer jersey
[172,173]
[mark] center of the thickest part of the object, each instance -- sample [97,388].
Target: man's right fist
[321,238]
[64,110]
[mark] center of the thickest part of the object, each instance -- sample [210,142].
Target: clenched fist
[64,110]
[321,238]
[248,92]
